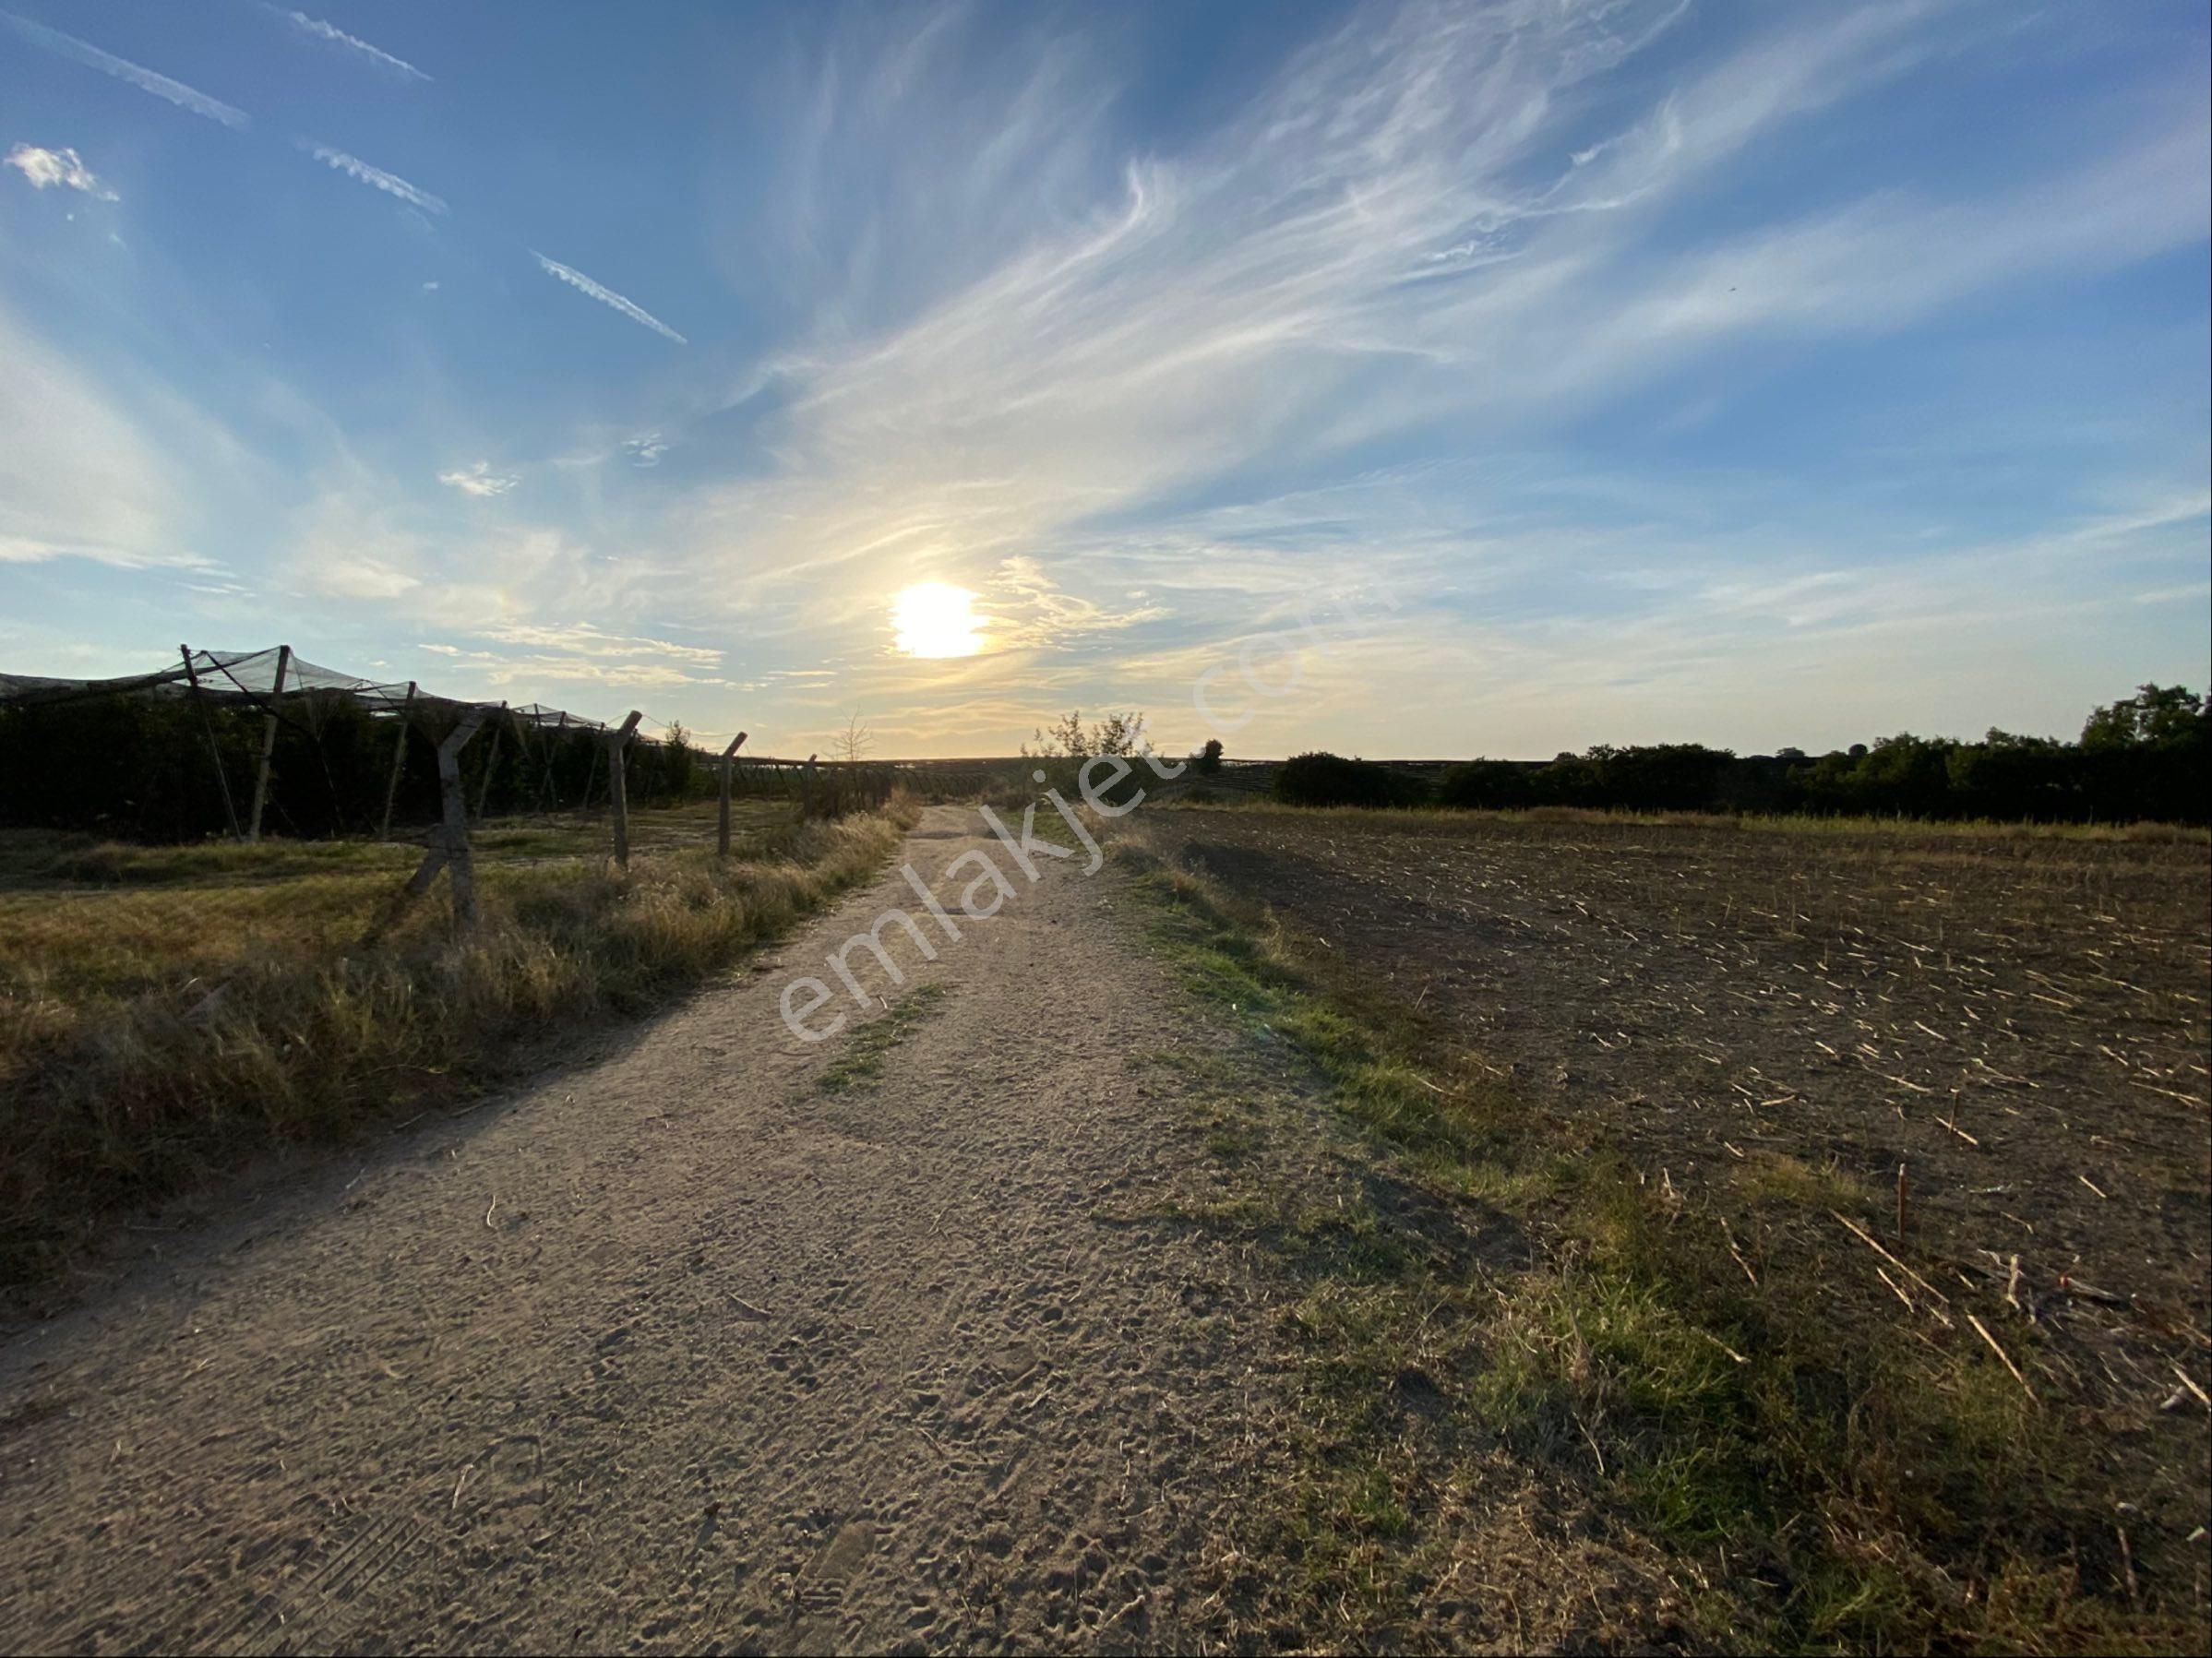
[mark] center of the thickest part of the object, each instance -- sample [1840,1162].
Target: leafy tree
[1660,777]
[1209,757]
[1490,785]
[676,761]
[2155,714]
[1569,780]
[2014,777]
[2150,755]
[1905,775]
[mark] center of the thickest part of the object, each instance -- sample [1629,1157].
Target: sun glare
[935,618]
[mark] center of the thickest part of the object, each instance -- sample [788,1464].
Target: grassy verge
[149,1038]
[1708,1423]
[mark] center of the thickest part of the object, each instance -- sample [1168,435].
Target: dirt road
[682,1349]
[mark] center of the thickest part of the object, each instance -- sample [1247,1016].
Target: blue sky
[1756,375]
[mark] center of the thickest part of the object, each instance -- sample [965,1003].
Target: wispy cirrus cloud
[391,183]
[605,296]
[1437,221]
[24,549]
[1040,614]
[316,28]
[479,481]
[45,168]
[581,638]
[145,80]
[1271,298]
[579,653]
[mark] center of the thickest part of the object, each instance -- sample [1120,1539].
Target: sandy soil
[681,1350]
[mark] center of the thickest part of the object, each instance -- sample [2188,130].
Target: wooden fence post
[269,745]
[398,758]
[617,784]
[449,846]
[806,790]
[490,765]
[721,829]
[547,800]
[222,778]
[456,819]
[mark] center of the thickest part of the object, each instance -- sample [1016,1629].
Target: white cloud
[85,474]
[145,80]
[1267,300]
[1445,220]
[318,29]
[361,578]
[391,183]
[49,167]
[1040,614]
[605,296]
[22,549]
[584,656]
[581,638]
[479,480]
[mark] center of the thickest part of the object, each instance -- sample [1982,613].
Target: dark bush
[1569,780]
[1330,779]
[1487,785]
[1665,777]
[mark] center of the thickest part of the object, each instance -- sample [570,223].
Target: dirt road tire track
[680,1352]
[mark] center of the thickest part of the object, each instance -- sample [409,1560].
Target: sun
[935,618]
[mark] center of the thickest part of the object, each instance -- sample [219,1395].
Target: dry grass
[168,1013]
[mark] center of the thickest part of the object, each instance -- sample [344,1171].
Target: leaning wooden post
[806,790]
[721,828]
[269,745]
[456,819]
[490,765]
[399,760]
[547,800]
[230,812]
[617,785]
[449,846]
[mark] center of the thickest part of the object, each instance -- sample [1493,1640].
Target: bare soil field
[1985,1052]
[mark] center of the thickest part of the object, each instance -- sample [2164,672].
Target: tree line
[2143,757]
